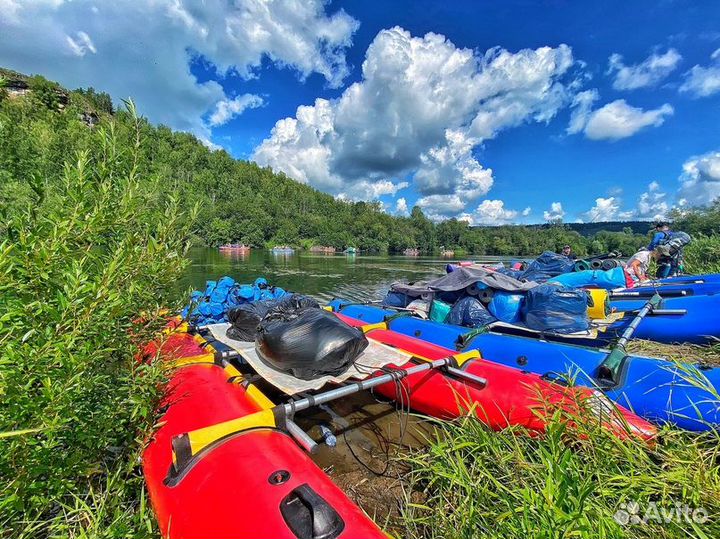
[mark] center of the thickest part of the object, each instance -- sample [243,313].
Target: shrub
[702,255]
[77,266]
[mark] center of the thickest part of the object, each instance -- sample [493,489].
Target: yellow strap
[232,372]
[367,328]
[191,360]
[201,438]
[464,357]
[204,343]
[259,397]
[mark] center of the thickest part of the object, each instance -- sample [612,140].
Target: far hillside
[590,229]
[236,201]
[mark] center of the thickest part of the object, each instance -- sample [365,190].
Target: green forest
[42,125]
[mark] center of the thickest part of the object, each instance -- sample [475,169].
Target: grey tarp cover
[463,277]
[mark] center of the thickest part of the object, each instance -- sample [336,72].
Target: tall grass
[702,255]
[76,267]
[478,483]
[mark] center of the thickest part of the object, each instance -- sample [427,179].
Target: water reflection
[321,275]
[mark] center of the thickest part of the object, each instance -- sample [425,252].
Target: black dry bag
[309,343]
[245,318]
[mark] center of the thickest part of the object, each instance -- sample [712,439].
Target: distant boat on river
[411,252]
[282,250]
[235,247]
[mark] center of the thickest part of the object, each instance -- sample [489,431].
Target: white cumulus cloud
[227,109]
[700,179]
[143,48]
[401,207]
[555,212]
[605,209]
[419,111]
[653,203]
[372,190]
[581,105]
[492,212]
[649,72]
[619,120]
[441,204]
[703,81]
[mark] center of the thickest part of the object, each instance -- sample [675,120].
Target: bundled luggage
[506,307]
[558,309]
[470,312]
[308,342]
[245,319]
[212,305]
[546,266]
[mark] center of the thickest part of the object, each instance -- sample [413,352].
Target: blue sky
[493,112]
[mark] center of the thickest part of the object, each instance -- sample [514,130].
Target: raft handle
[309,516]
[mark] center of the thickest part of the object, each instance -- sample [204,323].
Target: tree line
[238,201]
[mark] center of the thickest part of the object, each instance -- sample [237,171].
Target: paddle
[608,370]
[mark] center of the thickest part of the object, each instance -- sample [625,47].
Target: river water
[355,277]
[370,433]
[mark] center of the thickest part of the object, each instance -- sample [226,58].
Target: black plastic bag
[469,312]
[556,309]
[308,343]
[245,318]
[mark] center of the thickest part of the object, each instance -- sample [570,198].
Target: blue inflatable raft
[699,324]
[658,390]
[671,289]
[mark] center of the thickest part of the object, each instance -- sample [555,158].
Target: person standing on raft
[638,264]
[670,264]
[662,234]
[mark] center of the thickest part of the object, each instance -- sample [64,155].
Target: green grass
[477,483]
[78,265]
[702,255]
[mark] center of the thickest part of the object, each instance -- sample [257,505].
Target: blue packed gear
[211,305]
[395,299]
[469,312]
[609,280]
[555,308]
[506,307]
[547,265]
[262,290]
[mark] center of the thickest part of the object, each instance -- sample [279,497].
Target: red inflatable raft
[254,484]
[222,466]
[509,397]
